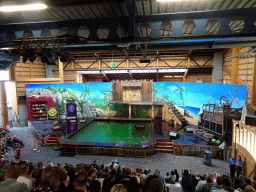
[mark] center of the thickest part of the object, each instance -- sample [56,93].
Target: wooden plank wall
[27,71]
[248,161]
[245,71]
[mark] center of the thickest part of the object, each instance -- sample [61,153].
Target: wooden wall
[245,71]
[25,71]
[117,93]
[248,160]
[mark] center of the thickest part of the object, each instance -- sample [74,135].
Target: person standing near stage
[239,166]
[232,166]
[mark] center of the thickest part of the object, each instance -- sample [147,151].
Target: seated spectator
[24,168]
[188,182]
[172,178]
[156,185]
[167,178]
[201,183]
[247,187]
[80,182]
[226,184]
[3,169]
[218,187]
[130,182]
[118,188]
[94,164]
[15,139]
[2,132]
[8,140]
[209,184]
[37,173]
[93,184]
[48,181]
[10,184]
[177,175]
[109,182]
[29,174]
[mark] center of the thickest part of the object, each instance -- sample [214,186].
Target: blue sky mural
[196,94]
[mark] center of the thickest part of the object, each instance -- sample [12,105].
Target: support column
[234,64]
[130,111]
[4,110]
[253,100]
[217,67]
[108,106]
[61,72]
[153,112]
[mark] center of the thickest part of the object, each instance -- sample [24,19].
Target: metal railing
[107,151]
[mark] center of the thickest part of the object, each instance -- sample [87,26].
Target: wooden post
[234,64]
[130,111]
[188,62]
[153,112]
[61,72]
[31,69]
[75,73]
[4,110]
[100,64]
[108,106]
[253,100]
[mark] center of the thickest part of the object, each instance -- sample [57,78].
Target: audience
[10,184]
[27,177]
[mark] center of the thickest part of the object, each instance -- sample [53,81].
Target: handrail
[118,150]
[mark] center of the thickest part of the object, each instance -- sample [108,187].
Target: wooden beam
[185,75]
[61,72]
[4,110]
[234,64]
[39,79]
[188,62]
[31,69]
[75,73]
[253,92]
[12,73]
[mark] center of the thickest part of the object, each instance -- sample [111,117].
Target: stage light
[32,59]
[24,59]
[64,55]
[23,7]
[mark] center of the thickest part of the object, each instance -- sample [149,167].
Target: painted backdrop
[91,98]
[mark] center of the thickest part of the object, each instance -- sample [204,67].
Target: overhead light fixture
[30,7]
[168,76]
[178,76]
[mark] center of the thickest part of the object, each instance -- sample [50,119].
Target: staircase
[53,140]
[164,146]
[178,114]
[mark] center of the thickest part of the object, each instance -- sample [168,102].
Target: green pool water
[112,132]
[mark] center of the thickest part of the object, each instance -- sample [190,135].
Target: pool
[113,132]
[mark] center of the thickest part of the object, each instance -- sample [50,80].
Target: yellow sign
[52,112]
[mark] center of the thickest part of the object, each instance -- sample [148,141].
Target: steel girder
[10,32]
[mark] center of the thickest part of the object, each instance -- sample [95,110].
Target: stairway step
[164,150]
[164,146]
[164,143]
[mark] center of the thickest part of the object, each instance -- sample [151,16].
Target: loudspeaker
[174,135]
[250,120]
[189,129]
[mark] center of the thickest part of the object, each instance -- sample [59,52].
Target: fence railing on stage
[107,151]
